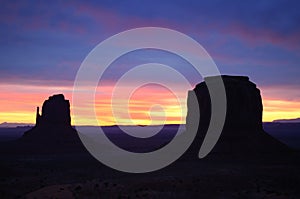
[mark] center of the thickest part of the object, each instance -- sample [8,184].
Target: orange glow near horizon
[280,109]
[147,105]
[19,102]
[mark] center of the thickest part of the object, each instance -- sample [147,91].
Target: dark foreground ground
[79,175]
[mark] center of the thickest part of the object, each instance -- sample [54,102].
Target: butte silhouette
[53,127]
[243,132]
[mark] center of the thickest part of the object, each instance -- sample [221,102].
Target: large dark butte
[53,131]
[243,135]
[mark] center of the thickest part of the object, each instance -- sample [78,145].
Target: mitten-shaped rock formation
[243,131]
[55,111]
[54,125]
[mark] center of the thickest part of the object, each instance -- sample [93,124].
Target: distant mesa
[243,131]
[14,125]
[54,124]
[296,120]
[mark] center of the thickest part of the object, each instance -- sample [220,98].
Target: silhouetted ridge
[243,131]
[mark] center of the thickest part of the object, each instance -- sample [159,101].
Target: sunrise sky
[43,46]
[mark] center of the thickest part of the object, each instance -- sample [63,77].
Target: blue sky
[257,38]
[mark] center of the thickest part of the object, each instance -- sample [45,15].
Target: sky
[42,46]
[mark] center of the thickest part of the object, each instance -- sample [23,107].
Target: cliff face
[55,111]
[243,129]
[244,104]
